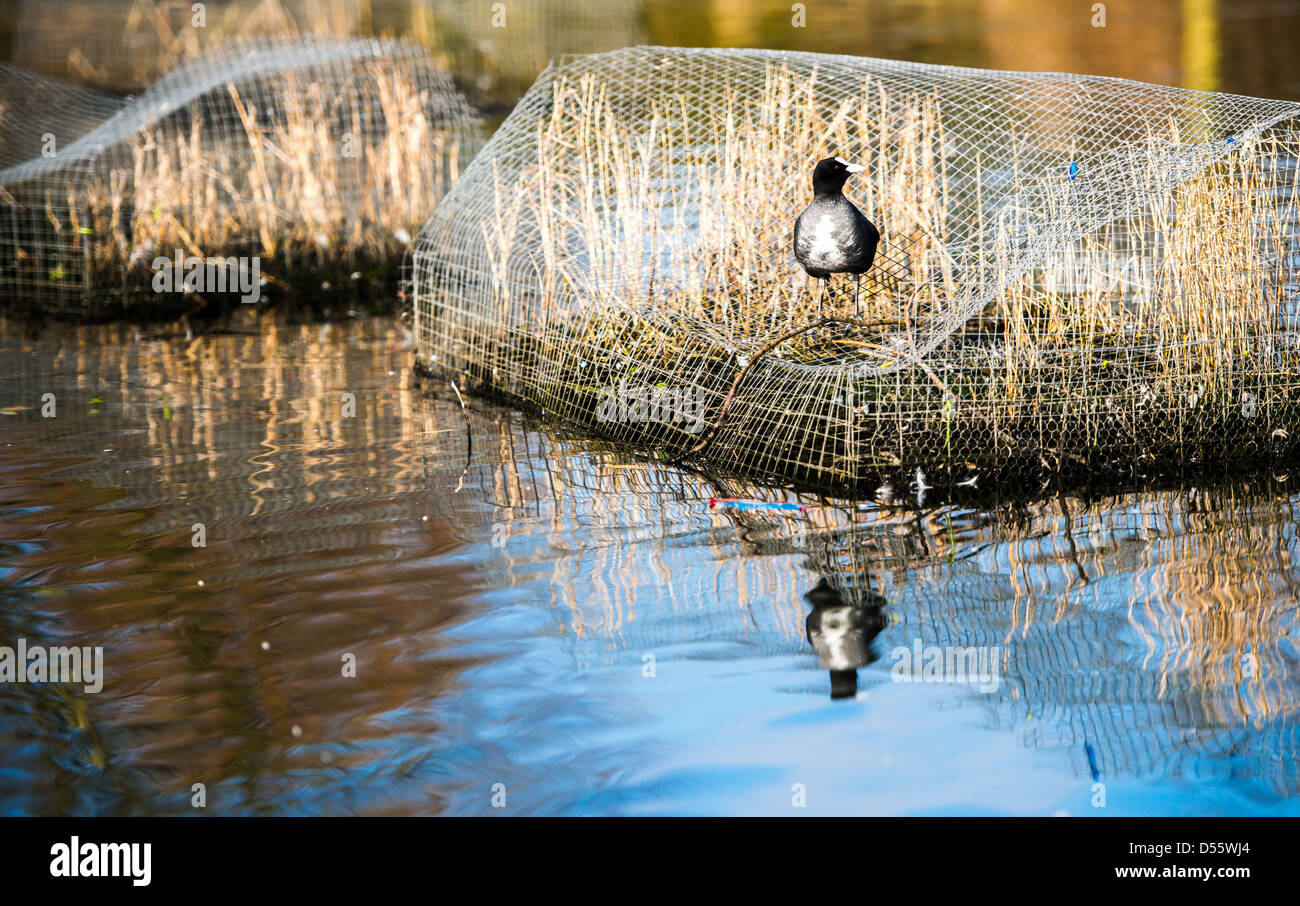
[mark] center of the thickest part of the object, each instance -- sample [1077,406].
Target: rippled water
[529,610]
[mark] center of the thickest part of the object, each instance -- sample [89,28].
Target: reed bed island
[319,158]
[1072,270]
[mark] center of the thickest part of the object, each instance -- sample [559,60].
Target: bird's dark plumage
[842,632]
[831,236]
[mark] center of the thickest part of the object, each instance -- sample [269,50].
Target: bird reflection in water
[847,614]
[841,632]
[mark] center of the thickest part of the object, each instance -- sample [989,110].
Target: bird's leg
[821,300]
[857,278]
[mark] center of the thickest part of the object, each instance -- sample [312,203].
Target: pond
[322,587]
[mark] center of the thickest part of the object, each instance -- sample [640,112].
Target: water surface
[534,614]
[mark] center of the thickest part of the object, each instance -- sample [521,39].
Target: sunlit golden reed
[658,233]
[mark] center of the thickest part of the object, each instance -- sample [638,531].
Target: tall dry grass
[678,220]
[279,173]
[662,213]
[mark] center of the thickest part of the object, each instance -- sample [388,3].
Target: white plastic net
[314,155]
[1071,267]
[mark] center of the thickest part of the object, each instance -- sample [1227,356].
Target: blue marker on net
[1092,760]
[731,503]
[1074,169]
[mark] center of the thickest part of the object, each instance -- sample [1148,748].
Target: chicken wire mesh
[313,156]
[1072,268]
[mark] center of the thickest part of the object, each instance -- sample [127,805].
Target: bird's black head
[824,595]
[829,174]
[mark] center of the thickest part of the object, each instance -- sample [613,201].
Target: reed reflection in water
[531,609]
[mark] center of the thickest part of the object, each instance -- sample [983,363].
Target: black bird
[842,632]
[831,236]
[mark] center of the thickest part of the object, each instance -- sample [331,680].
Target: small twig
[469,437]
[911,341]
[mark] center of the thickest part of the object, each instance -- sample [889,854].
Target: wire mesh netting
[312,155]
[1071,267]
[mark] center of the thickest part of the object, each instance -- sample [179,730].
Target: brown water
[528,610]
[1242,46]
